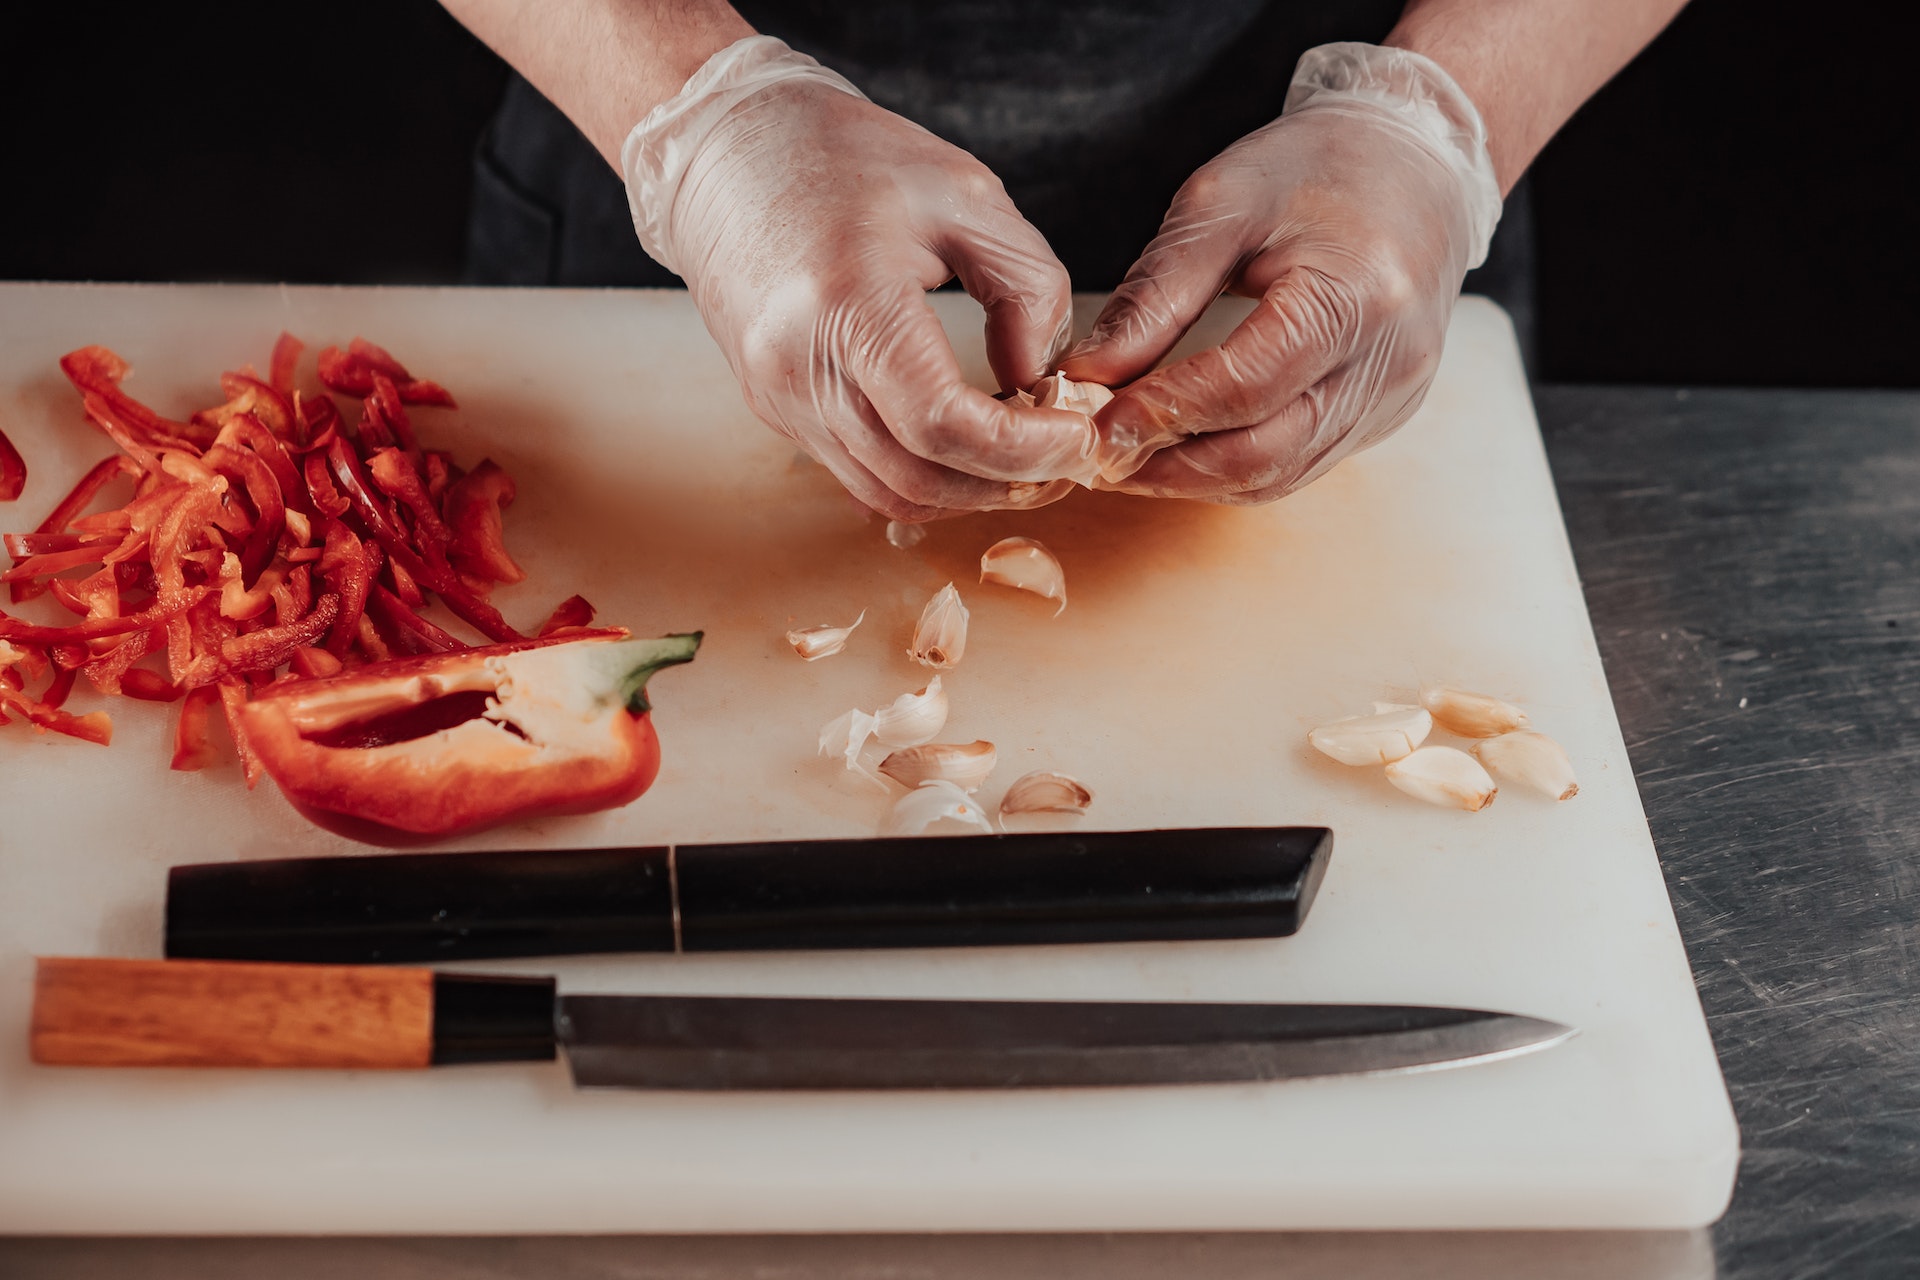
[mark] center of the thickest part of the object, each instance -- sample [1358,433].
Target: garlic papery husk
[1444,776]
[1044,791]
[1381,738]
[815,643]
[1056,392]
[847,737]
[912,718]
[1025,564]
[1531,759]
[941,636]
[965,764]
[1471,715]
[903,536]
[933,801]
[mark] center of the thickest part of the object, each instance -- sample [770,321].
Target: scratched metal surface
[1750,565]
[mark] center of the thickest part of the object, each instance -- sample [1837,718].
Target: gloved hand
[808,224]
[1352,218]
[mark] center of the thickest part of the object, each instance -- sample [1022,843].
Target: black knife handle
[1000,890]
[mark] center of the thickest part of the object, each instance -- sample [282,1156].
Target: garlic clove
[941,636]
[815,643]
[1056,392]
[1471,715]
[846,736]
[1380,708]
[903,536]
[1444,776]
[936,800]
[965,764]
[1381,738]
[1025,564]
[1531,759]
[912,718]
[1044,791]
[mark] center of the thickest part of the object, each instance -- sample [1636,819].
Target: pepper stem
[641,658]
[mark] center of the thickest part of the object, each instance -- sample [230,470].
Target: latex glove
[808,224]
[1352,218]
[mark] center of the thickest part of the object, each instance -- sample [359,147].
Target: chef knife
[999,890]
[91,1012]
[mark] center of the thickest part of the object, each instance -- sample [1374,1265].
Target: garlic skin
[1531,759]
[1444,776]
[902,536]
[965,764]
[1471,715]
[1056,392]
[1044,791]
[1025,564]
[846,736]
[815,643]
[930,802]
[912,718]
[940,639]
[1381,738]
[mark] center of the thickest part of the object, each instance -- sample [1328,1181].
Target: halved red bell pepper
[447,742]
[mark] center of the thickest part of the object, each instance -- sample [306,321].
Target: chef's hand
[1352,218]
[808,224]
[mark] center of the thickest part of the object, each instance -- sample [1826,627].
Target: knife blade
[90,1012]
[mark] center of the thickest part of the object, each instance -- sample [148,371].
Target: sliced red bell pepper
[192,748]
[97,373]
[441,743]
[285,359]
[404,629]
[394,473]
[52,562]
[163,608]
[247,394]
[56,694]
[263,490]
[394,410]
[148,686]
[233,701]
[348,570]
[96,726]
[478,541]
[574,611]
[13,470]
[327,500]
[272,647]
[315,663]
[245,429]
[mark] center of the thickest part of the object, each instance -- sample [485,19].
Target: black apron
[1092,114]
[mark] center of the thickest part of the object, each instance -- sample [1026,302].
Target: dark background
[1727,211]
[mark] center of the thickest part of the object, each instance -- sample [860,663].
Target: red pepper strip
[56,694]
[387,396]
[191,748]
[13,470]
[405,587]
[411,632]
[295,596]
[244,428]
[348,571]
[574,611]
[167,606]
[374,432]
[34,659]
[52,562]
[319,420]
[22,545]
[423,391]
[95,727]
[109,669]
[148,686]
[397,477]
[250,395]
[120,432]
[285,359]
[378,359]
[315,664]
[98,371]
[473,507]
[170,540]
[327,500]
[271,647]
[440,472]
[73,504]
[68,594]
[68,655]
[347,374]
[382,521]
[264,492]
[233,696]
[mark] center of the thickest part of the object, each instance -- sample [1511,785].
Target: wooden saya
[184,1013]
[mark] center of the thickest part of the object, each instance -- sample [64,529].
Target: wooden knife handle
[189,1013]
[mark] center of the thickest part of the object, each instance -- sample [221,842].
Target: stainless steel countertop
[1750,560]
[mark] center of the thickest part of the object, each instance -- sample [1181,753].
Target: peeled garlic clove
[912,718]
[1380,738]
[903,536]
[1056,392]
[1531,759]
[1043,791]
[847,737]
[1380,708]
[933,801]
[965,764]
[1471,715]
[1026,565]
[941,636]
[1444,776]
[815,643]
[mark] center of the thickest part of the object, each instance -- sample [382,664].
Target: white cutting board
[1200,644]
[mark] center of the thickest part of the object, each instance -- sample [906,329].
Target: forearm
[1529,64]
[605,63]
